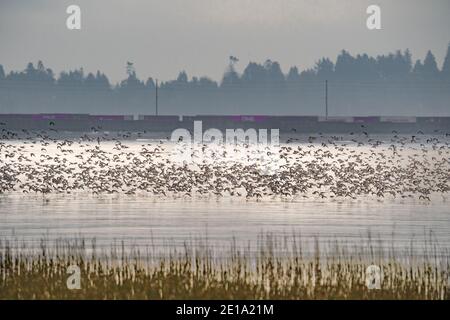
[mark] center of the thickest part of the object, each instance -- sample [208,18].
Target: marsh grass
[199,273]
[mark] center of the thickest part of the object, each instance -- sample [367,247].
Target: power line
[326,99]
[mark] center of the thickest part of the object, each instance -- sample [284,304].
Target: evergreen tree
[402,63]
[254,73]
[205,82]
[407,60]
[132,82]
[293,75]
[90,80]
[446,66]
[30,72]
[308,75]
[324,68]
[182,77]
[430,68]
[150,84]
[418,68]
[273,72]
[102,80]
[71,78]
[43,74]
[230,78]
[344,64]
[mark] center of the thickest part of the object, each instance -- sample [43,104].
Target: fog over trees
[391,84]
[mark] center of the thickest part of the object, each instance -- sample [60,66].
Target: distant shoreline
[168,123]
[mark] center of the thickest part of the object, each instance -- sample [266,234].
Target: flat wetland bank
[200,274]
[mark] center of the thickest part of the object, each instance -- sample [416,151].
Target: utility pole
[156,96]
[326,99]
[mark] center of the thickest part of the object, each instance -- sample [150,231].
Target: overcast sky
[163,37]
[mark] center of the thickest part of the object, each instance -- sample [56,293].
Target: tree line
[360,84]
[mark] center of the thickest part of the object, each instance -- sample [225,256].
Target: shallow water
[162,223]
[406,224]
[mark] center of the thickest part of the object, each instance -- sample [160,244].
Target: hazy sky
[163,37]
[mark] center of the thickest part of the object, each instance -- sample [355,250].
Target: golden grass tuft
[198,274]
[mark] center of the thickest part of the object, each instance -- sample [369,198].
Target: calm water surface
[142,221]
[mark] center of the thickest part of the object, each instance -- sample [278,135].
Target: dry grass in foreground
[196,274]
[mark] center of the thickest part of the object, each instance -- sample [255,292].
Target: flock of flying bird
[325,167]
